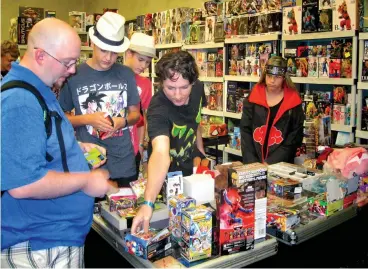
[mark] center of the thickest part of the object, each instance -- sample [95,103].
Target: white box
[201,187]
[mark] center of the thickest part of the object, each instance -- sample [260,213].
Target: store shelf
[220,147]
[168,46]
[322,35]
[211,79]
[361,134]
[241,78]
[330,81]
[203,46]
[341,128]
[86,48]
[22,47]
[233,151]
[233,115]
[363,36]
[363,85]
[210,112]
[253,38]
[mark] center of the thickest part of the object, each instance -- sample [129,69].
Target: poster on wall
[36,13]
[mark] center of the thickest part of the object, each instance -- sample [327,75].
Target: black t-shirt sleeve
[157,121]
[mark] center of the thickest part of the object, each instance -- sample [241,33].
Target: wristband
[150,204]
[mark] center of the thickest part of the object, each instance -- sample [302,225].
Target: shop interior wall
[128,8]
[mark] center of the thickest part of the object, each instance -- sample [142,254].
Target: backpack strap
[47,117]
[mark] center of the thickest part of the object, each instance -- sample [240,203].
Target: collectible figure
[323,66]
[273,5]
[312,67]
[234,26]
[253,25]
[291,20]
[334,68]
[325,4]
[262,24]
[347,49]
[219,32]
[325,20]
[344,15]
[291,67]
[336,49]
[210,25]
[365,70]
[302,67]
[309,23]
[211,8]
[339,95]
[346,69]
[227,27]
[243,25]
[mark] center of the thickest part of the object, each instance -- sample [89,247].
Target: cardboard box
[176,206]
[197,233]
[285,188]
[282,219]
[173,185]
[148,245]
[319,205]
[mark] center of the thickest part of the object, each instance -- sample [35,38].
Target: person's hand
[98,184]
[118,124]
[86,147]
[100,122]
[142,218]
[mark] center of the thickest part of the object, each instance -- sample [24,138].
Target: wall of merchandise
[232,40]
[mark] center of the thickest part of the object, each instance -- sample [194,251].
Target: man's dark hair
[181,62]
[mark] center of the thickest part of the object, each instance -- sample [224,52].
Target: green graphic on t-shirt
[183,140]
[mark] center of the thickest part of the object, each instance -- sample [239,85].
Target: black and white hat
[108,33]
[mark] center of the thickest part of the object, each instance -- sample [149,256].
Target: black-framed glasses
[67,66]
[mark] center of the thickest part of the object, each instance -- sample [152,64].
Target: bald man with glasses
[49,189]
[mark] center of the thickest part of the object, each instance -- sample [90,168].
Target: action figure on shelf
[294,25]
[345,23]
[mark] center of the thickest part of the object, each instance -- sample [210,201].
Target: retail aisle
[344,246]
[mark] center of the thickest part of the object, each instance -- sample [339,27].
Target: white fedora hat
[143,44]
[108,33]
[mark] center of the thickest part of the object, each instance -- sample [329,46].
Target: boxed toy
[77,20]
[320,206]
[173,185]
[292,20]
[176,206]
[197,233]
[344,13]
[362,198]
[282,219]
[149,245]
[124,199]
[284,187]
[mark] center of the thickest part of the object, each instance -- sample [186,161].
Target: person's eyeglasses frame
[66,66]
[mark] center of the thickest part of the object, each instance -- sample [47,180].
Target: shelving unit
[362,86]
[168,46]
[211,79]
[242,78]
[203,46]
[83,48]
[332,81]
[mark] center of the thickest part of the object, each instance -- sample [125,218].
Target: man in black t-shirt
[173,119]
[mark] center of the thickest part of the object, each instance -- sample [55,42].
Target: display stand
[305,232]
[261,250]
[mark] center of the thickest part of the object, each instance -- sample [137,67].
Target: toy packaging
[339,95]
[323,66]
[284,187]
[325,20]
[94,157]
[302,67]
[312,66]
[151,245]
[138,187]
[124,199]
[292,20]
[344,13]
[320,206]
[310,18]
[173,185]
[362,198]
[281,219]
[365,70]
[176,206]
[346,69]
[197,233]
[335,68]
[77,20]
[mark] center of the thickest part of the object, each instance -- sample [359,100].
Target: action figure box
[302,67]
[284,187]
[364,76]
[281,219]
[346,68]
[149,245]
[124,199]
[339,95]
[22,30]
[362,195]
[350,200]
[243,25]
[325,20]
[291,20]
[176,206]
[210,29]
[323,67]
[312,66]
[319,205]
[138,186]
[336,49]
[77,20]
[253,24]
[274,22]
[310,18]
[335,68]
[197,233]
[288,3]
[35,13]
[347,49]
[325,4]
[344,15]
[173,185]
[219,35]
[231,96]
